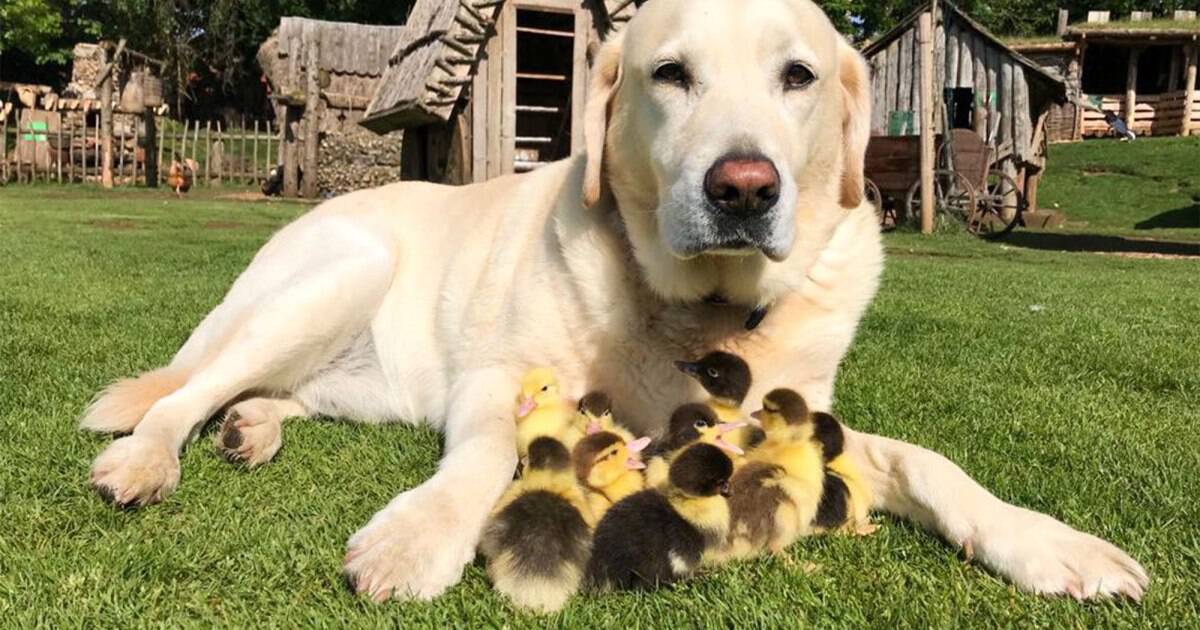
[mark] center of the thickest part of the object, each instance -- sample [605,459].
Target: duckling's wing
[833,509]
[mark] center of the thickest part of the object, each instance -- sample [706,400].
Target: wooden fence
[37,146]
[1153,114]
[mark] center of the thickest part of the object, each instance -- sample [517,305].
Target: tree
[32,26]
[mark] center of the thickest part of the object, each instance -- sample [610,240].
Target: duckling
[846,499]
[790,446]
[595,415]
[541,410]
[609,468]
[660,536]
[690,423]
[537,541]
[726,378]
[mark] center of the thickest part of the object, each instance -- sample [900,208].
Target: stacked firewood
[356,161]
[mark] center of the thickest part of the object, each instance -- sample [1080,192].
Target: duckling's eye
[700,424]
[797,76]
[545,388]
[713,373]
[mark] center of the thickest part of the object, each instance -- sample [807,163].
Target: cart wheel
[1000,207]
[887,220]
[953,198]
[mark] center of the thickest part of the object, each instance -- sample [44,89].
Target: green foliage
[32,26]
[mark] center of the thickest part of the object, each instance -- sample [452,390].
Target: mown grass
[1066,382]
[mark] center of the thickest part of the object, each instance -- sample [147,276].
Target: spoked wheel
[887,219]
[1000,207]
[953,198]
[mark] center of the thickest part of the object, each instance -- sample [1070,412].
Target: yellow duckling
[541,410]
[789,446]
[538,539]
[689,424]
[609,468]
[846,499]
[726,378]
[595,415]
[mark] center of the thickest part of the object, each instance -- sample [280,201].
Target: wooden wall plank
[966,60]
[905,83]
[508,116]
[952,45]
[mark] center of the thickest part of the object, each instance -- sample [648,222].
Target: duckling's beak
[593,427]
[633,462]
[525,406]
[720,441]
[757,415]
[687,367]
[725,490]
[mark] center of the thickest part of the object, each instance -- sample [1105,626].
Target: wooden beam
[106,127]
[1064,18]
[1189,91]
[1131,77]
[312,116]
[925,35]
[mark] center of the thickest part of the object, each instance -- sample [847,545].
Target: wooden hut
[978,83]
[488,87]
[322,75]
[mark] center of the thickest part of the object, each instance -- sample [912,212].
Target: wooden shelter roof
[1145,31]
[438,54]
[1032,69]
[344,47]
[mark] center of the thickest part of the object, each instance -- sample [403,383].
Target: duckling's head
[602,458]
[596,409]
[696,422]
[783,409]
[538,387]
[547,454]
[702,470]
[724,376]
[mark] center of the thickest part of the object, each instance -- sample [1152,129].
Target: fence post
[269,138]
[4,145]
[106,127]
[195,147]
[153,149]
[208,151]
[925,34]
[182,155]
[219,172]
[97,147]
[70,152]
[59,149]
[120,159]
[312,118]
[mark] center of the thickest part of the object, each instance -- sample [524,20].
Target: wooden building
[978,83]
[488,87]
[1142,69]
[322,75]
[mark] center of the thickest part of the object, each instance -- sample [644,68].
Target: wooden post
[106,131]
[1080,51]
[925,33]
[208,151]
[4,146]
[1189,91]
[268,149]
[254,167]
[97,148]
[291,156]
[182,155]
[136,136]
[1131,87]
[241,160]
[1064,17]
[17,149]
[196,146]
[219,171]
[312,118]
[120,148]
[59,152]
[153,149]
[71,154]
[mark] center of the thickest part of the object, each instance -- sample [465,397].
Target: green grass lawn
[1065,382]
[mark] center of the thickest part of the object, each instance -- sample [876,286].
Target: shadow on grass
[1100,243]
[1186,217]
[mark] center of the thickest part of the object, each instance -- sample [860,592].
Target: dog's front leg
[416,547]
[1034,551]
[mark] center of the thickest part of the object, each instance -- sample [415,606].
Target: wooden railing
[49,146]
[1153,114]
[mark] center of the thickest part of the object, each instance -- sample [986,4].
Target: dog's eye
[672,72]
[713,373]
[797,76]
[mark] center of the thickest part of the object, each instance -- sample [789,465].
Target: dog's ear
[606,77]
[855,80]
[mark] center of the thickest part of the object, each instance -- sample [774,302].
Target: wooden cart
[968,186]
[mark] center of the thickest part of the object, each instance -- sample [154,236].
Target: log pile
[354,161]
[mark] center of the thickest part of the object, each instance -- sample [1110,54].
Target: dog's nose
[742,184]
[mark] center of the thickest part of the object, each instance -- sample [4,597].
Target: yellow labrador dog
[718,205]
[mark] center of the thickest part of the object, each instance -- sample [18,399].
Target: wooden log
[1131,77]
[312,118]
[925,37]
[1189,90]
[106,130]
[291,154]
[153,148]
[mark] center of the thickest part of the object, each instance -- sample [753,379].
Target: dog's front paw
[415,548]
[135,470]
[1042,555]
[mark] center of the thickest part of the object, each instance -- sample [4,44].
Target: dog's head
[731,134]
